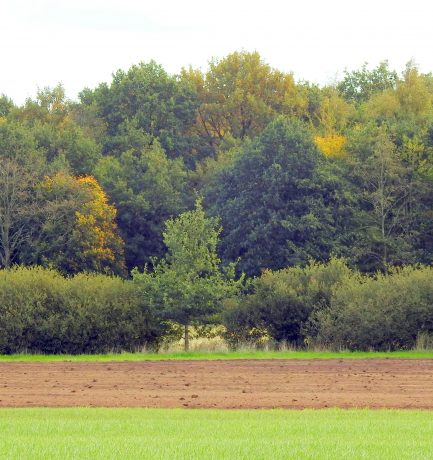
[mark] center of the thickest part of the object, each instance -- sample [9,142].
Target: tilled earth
[373,383]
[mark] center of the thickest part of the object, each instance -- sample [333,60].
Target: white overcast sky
[82,42]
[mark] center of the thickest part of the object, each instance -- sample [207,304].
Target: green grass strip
[220,355]
[85,433]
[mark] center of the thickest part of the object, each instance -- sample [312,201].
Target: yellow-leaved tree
[332,145]
[79,232]
[331,119]
[239,96]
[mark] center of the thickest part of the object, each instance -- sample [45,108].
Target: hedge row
[381,313]
[323,304]
[332,306]
[41,311]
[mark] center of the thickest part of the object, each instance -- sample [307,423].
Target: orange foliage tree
[80,232]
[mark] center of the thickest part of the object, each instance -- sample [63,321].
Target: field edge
[217,356]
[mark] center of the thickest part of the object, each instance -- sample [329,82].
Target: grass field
[221,355]
[213,434]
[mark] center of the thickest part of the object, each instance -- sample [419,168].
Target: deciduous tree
[79,233]
[21,167]
[188,286]
[147,188]
[280,201]
[239,95]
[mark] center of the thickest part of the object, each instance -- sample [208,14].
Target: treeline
[313,221]
[321,304]
[295,171]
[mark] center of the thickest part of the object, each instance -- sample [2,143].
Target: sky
[80,43]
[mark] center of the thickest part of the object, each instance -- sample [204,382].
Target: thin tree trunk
[5,256]
[186,347]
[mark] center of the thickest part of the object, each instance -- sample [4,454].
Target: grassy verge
[214,434]
[221,355]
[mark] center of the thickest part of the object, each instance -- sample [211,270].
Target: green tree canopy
[147,188]
[156,103]
[359,85]
[188,286]
[22,166]
[279,201]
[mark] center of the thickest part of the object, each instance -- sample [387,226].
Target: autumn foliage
[332,146]
[87,239]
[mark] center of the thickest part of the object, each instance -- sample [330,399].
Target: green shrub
[282,302]
[385,312]
[243,325]
[41,311]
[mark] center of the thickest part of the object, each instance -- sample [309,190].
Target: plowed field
[372,383]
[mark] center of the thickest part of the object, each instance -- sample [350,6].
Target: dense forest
[292,176]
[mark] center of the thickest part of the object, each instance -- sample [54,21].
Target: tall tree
[152,101]
[147,188]
[6,105]
[21,167]
[386,218]
[18,206]
[239,96]
[280,201]
[49,106]
[79,232]
[50,119]
[359,85]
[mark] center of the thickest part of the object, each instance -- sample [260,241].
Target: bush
[243,325]
[41,311]
[386,312]
[282,302]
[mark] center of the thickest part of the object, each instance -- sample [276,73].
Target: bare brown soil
[221,384]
